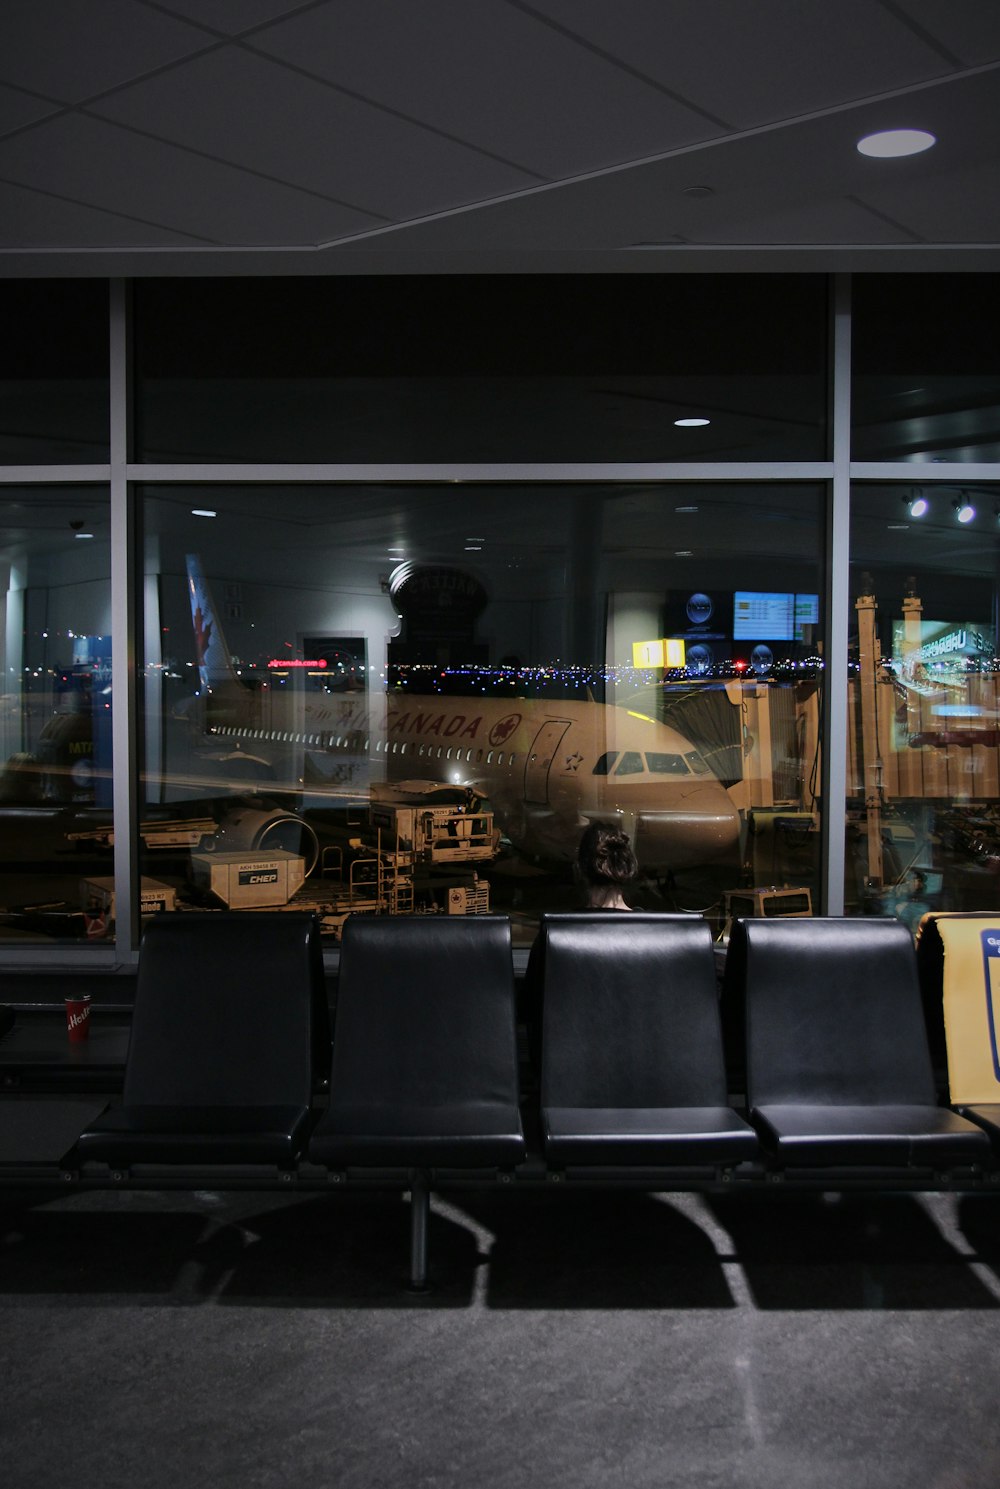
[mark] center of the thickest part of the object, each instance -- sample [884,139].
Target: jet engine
[255,826]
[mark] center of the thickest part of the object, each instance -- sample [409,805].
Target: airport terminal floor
[637,1339]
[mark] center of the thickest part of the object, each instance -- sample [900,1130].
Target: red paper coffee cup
[78,1017]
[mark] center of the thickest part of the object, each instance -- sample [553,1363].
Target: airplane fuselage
[547,768]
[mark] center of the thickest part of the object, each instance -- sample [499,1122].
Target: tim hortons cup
[78,1017]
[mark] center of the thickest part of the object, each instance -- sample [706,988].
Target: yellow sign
[666,652]
[969,954]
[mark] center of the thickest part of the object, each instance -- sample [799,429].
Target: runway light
[916,503]
[892,144]
[964,510]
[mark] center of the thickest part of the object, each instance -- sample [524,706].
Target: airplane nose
[703,828]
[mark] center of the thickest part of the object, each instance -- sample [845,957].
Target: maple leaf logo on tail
[215,663]
[202,635]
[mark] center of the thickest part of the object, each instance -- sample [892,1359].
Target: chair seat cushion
[208,1134]
[471,1134]
[924,1136]
[646,1135]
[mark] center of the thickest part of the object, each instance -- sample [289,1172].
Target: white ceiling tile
[831,219]
[960,206]
[310,135]
[30,219]
[69,50]
[18,109]
[489,74]
[968,29]
[89,161]
[754,63]
[230,16]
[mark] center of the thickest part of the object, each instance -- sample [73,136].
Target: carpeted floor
[569,1339]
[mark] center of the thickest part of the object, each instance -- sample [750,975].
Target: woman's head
[605,858]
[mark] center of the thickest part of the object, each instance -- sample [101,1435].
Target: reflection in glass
[923,828]
[54,371]
[926,385]
[345,708]
[55,714]
[482,368]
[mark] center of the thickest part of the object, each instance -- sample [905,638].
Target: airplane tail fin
[215,662]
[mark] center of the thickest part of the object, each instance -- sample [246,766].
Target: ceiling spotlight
[202,512]
[890,144]
[916,503]
[691,423]
[964,510]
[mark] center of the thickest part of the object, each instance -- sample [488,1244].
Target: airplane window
[479,757]
[489,758]
[697,762]
[666,765]
[402,748]
[630,764]
[449,753]
[420,749]
[603,766]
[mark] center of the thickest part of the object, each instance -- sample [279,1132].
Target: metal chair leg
[420,1207]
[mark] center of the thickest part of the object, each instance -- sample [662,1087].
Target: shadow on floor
[856,1251]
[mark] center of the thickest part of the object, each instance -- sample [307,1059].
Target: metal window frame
[122,475]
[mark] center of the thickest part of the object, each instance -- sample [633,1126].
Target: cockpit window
[666,765]
[630,764]
[697,762]
[603,766]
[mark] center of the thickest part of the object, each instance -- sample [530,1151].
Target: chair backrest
[630,1012]
[833,1013]
[425,1011]
[230,1010]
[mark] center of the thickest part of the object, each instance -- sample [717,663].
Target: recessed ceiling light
[697,191]
[685,509]
[201,512]
[683,553]
[691,423]
[84,535]
[898,527]
[889,144]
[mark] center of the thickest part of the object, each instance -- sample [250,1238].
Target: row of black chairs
[231,1066]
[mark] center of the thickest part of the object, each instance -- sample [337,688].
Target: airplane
[546,768]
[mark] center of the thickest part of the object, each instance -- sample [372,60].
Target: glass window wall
[926,376]
[415,698]
[54,372]
[480,368]
[923,818]
[55,715]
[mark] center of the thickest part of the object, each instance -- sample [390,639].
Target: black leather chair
[229,1028]
[632,1068]
[424,1071]
[838,1068]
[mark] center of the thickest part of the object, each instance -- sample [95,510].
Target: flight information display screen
[772,615]
[763,615]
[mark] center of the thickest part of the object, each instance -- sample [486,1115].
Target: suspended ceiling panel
[345,136]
